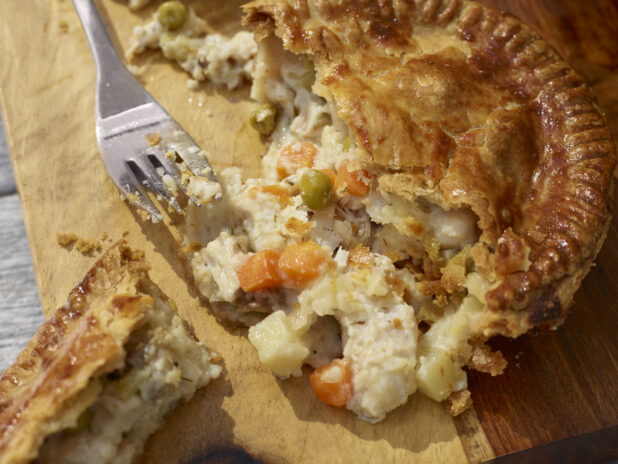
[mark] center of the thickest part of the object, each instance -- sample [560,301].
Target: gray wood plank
[20,307]
[7,183]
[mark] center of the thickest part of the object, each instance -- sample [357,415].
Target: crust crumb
[457,402]
[153,139]
[484,360]
[454,273]
[453,277]
[66,240]
[360,256]
[431,269]
[215,357]
[191,247]
[84,245]
[434,289]
[398,285]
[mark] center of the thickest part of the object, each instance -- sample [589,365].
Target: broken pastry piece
[99,377]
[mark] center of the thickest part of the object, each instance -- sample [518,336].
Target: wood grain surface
[564,383]
[558,385]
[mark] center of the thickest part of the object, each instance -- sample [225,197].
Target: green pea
[263,118]
[172,14]
[316,189]
[83,422]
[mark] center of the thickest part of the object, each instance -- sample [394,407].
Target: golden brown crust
[483,359]
[84,338]
[458,402]
[473,107]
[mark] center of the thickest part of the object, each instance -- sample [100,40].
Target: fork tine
[160,162]
[194,158]
[197,163]
[134,192]
[146,203]
[151,179]
[172,170]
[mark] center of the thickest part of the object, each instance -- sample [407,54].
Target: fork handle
[118,90]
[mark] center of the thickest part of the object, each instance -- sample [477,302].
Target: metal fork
[127,117]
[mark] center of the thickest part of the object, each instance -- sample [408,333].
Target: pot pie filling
[164,367]
[405,211]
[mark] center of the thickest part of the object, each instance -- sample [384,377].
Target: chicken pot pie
[435,175]
[99,376]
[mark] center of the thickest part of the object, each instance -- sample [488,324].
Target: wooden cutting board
[557,399]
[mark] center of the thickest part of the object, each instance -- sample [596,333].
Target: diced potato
[322,298]
[471,305]
[451,330]
[280,348]
[437,374]
[458,326]
[477,285]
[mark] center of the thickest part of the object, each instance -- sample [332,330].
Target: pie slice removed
[98,377]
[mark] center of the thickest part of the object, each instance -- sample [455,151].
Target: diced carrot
[355,182]
[360,256]
[332,383]
[294,156]
[275,190]
[260,271]
[303,262]
[330,173]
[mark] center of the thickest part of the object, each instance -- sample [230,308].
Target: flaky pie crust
[50,382]
[469,107]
